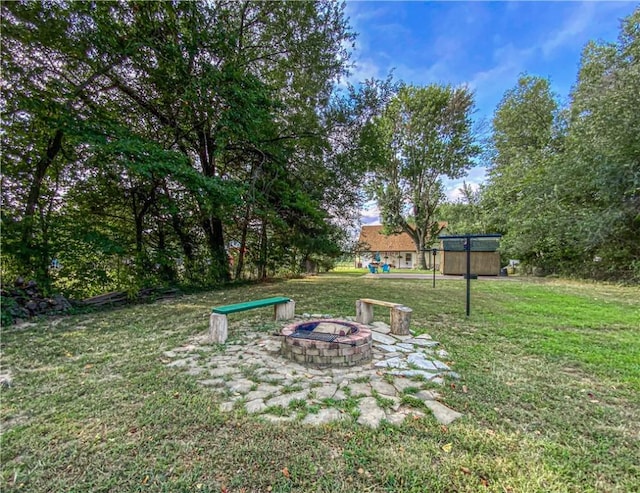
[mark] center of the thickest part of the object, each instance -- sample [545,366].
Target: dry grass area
[550,390]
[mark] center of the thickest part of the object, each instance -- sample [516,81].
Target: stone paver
[442,413]
[383,388]
[388,348]
[255,373]
[360,389]
[241,386]
[284,399]
[418,341]
[255,406]
[324,416]
[421,362]
[226,407]
[392,363]
[382,338]
[327,391]
[370,412]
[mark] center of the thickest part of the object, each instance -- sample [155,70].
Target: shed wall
[482,263]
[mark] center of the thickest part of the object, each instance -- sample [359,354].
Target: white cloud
[570,32]
[474,179]
[370,213]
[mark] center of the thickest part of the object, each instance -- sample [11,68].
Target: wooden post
[217,328]
[400,320]
[285,311]
[364,312]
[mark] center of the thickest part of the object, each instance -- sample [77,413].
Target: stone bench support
[400,315]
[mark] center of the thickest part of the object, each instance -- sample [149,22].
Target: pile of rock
[24,300]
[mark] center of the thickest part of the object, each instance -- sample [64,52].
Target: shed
[485,259]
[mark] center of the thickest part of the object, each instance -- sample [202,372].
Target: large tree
[424,135]
[564,186]
[601,169]
[520,199]
[160,127]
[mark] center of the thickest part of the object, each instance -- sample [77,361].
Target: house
[399,251]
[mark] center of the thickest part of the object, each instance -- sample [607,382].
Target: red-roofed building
[398,251]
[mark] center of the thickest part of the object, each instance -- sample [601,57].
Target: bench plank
[248,305]
[388,304]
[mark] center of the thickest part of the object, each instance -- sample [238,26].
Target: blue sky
[485,45]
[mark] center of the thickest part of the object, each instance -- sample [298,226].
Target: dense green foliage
[564,183]
[150,143]
[153,142]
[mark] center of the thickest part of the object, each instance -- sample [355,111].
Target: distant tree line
[150,143]
[162,143]
[564,181]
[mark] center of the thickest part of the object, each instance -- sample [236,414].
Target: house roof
[372,239]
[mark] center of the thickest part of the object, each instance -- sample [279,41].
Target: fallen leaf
[465,470]
[269,488]
[176,395]
[444,429]
[447,447]
[484,482]
[360,471]
[464,389]
[286,473]
[145,480]
[453,385]
[490,432]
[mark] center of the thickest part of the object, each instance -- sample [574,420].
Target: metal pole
[434,251]
[467,247]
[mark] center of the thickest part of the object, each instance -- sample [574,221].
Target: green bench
[284,309]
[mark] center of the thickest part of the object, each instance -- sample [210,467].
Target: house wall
[407,260]
[482,263]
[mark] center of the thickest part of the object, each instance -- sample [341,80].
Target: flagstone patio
[248,372]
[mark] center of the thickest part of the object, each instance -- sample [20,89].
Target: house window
[407,258]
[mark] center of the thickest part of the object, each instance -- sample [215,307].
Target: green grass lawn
[550,390]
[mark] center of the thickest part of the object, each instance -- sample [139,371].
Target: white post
[217,328]
[285,311]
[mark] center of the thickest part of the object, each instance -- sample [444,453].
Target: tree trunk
[243,243]
[262,266]
[421,260]
[215,240]
[34,257]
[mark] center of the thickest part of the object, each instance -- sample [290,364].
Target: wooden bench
[284,309]
[400,315]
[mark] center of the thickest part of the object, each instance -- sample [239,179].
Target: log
[217,328]
[285,311]
[400,320]
[364,312]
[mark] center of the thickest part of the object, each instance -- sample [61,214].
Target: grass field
[550,390]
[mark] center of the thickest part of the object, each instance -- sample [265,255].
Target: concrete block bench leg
[285,311]
[217,328]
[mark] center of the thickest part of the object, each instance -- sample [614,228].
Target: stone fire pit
[327,343]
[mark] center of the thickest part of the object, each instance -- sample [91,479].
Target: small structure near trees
[485,259]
